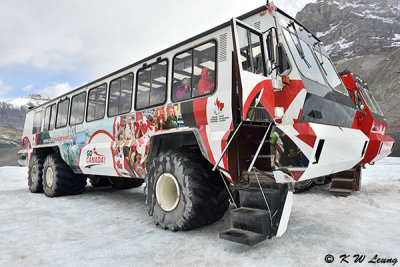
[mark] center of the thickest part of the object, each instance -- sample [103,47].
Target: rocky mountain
[364,37]
[352,28]
[12,120]
[12,111]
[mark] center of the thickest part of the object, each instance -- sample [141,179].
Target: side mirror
[269,66]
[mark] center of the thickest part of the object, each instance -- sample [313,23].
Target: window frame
[51,116]
[87,103]
[323,71]
[58,104]
[109,93]
[166,85]
[84,108]
[215,71]
[263,53]
[297,64]
[44,118]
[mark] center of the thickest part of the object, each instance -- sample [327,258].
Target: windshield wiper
[321,62]
[298,45]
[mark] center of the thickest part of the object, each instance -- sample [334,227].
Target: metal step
[254,220]
[251,176]
[341,192]
[253,198]
[343,183]
[351,174]
[342,179]
[242,236]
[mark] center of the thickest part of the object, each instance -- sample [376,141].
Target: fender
[165,140]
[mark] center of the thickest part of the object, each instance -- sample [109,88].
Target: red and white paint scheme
[369,118]
[258,93]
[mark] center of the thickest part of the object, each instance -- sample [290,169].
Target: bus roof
[221,26]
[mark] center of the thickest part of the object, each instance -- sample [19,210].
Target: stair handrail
[227,145]
[259,149]
[265,199]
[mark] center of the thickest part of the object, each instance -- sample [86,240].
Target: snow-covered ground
[111,228]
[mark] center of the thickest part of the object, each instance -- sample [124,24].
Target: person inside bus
[183,90]
[206,83]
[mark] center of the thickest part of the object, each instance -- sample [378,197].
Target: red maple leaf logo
[219,105]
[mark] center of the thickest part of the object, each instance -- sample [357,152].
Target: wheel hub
[167,192]
[49,177]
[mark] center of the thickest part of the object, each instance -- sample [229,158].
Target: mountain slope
[355,27]
[12,111]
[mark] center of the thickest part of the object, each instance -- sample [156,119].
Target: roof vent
[223,38]
[257,25]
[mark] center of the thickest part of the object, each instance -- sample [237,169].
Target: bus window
[77,108]
[46,124]
[182,76]
[151,85]
[50,118]
[37,122]
[62,113]
[194,72]
[96,103]
[158,83]
[53,117]
[250,50]
[203,68]
[270,45]
[120,96]
[283,62]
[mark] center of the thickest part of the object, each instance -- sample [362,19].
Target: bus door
[253,73]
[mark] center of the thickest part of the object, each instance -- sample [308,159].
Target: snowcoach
[246,105]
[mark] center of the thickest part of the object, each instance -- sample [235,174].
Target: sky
[51,46]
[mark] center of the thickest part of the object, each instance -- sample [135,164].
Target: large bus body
[247,97]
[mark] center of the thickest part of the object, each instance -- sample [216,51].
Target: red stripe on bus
[223,145]
[200,111]
[306,133]
[267,99]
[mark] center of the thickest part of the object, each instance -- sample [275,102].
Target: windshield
[366,96]
[378,109]
[331,74]
[304,58]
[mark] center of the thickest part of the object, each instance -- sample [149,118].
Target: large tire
[59,179]
[125,183]
[303,186]
[99,181]
[35,174]
[323,180]
[182,191]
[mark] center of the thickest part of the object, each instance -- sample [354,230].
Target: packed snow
[111,228]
